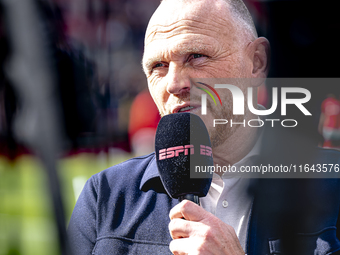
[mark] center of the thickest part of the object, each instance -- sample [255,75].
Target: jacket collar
[150,172]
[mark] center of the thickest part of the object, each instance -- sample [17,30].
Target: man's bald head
[194,39]
[240,13]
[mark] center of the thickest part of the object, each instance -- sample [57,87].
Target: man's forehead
[195,25]
[158,51]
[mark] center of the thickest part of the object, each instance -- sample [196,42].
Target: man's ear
[260,56]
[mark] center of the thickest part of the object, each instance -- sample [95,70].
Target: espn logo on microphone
[175,151]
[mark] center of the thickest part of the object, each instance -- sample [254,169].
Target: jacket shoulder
[131,170]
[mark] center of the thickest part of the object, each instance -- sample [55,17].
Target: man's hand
[196,231]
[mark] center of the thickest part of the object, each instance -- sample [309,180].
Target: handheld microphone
[182,148]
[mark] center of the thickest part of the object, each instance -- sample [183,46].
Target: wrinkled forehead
[172,13]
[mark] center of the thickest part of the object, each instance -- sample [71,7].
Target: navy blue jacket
[124,210]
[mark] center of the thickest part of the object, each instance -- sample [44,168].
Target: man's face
[185,42]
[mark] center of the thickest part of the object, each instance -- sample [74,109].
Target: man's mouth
[186,109]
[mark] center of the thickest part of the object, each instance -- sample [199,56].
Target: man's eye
[197,55]
[158,65]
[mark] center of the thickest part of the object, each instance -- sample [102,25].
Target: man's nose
[178,80]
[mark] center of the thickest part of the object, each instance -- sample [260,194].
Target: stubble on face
[221,132]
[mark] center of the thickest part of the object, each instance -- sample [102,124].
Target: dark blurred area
[96,50]
[304,45]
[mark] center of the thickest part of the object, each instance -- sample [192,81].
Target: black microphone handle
[190,197]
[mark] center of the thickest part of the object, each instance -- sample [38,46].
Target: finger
[189,211]
[180,246]
[180,228]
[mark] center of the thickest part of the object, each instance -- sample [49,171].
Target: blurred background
[74,99]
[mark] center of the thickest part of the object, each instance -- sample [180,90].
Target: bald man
[125,209]
[188,40]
